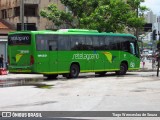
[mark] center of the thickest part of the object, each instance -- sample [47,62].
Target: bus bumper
[23,69]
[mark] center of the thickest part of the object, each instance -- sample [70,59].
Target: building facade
[150,17]
[10,12]
[10,18]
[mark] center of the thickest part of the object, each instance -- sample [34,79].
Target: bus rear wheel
[74,71]
[123,69]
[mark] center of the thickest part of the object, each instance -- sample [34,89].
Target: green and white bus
[68,52]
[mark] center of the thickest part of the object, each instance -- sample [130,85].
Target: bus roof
[73,32]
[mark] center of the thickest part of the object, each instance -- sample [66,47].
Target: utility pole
[22,14]
[137,29]
[158,56]
[158,67]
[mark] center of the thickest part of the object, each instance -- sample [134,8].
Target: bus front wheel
[74,71]
[123,69]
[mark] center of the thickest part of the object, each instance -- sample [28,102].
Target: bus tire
[74,71]
[123,69]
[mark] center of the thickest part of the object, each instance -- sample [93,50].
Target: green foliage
[102,15]
[56,16]
[137,21]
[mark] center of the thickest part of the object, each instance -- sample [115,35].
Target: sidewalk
[147,66]
[11,76]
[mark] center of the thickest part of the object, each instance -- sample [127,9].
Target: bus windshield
[19,39]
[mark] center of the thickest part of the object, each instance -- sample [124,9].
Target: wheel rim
[122,69]
[74,71]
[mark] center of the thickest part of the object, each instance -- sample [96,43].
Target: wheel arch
[77,63]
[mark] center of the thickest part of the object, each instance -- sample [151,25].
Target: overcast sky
[154,5]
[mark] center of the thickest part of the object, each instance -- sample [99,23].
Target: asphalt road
[136,91]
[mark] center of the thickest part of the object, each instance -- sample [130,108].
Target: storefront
[3,48]
[5,28]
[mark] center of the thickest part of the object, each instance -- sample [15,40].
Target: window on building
[31,10]
[17,11]
[10,13]
[4,14]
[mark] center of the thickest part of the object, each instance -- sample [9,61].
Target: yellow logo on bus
[18,57]
[109,56]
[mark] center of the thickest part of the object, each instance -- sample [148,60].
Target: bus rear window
[19,39]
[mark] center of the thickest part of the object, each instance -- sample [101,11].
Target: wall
[41,23]
[3,48]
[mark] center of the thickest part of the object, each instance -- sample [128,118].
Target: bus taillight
[31,60]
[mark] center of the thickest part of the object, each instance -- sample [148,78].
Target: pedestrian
[154,62]
[143,63]
[1,61]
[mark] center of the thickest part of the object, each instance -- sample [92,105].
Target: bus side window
[96,43]
[41,45]
[132,48]
[125,45]
[64,42]
[77,42]
[107,43]
[52,44]
[89,43]
[101,43]
[81,43]
[113,42]
[73,42]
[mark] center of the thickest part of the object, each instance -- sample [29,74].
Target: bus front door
[133,56]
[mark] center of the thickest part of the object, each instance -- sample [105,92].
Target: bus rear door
[53,54]
[46,54]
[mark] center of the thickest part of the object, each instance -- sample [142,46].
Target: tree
[77,9]
[103,15]
[137,21]
[111,16]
